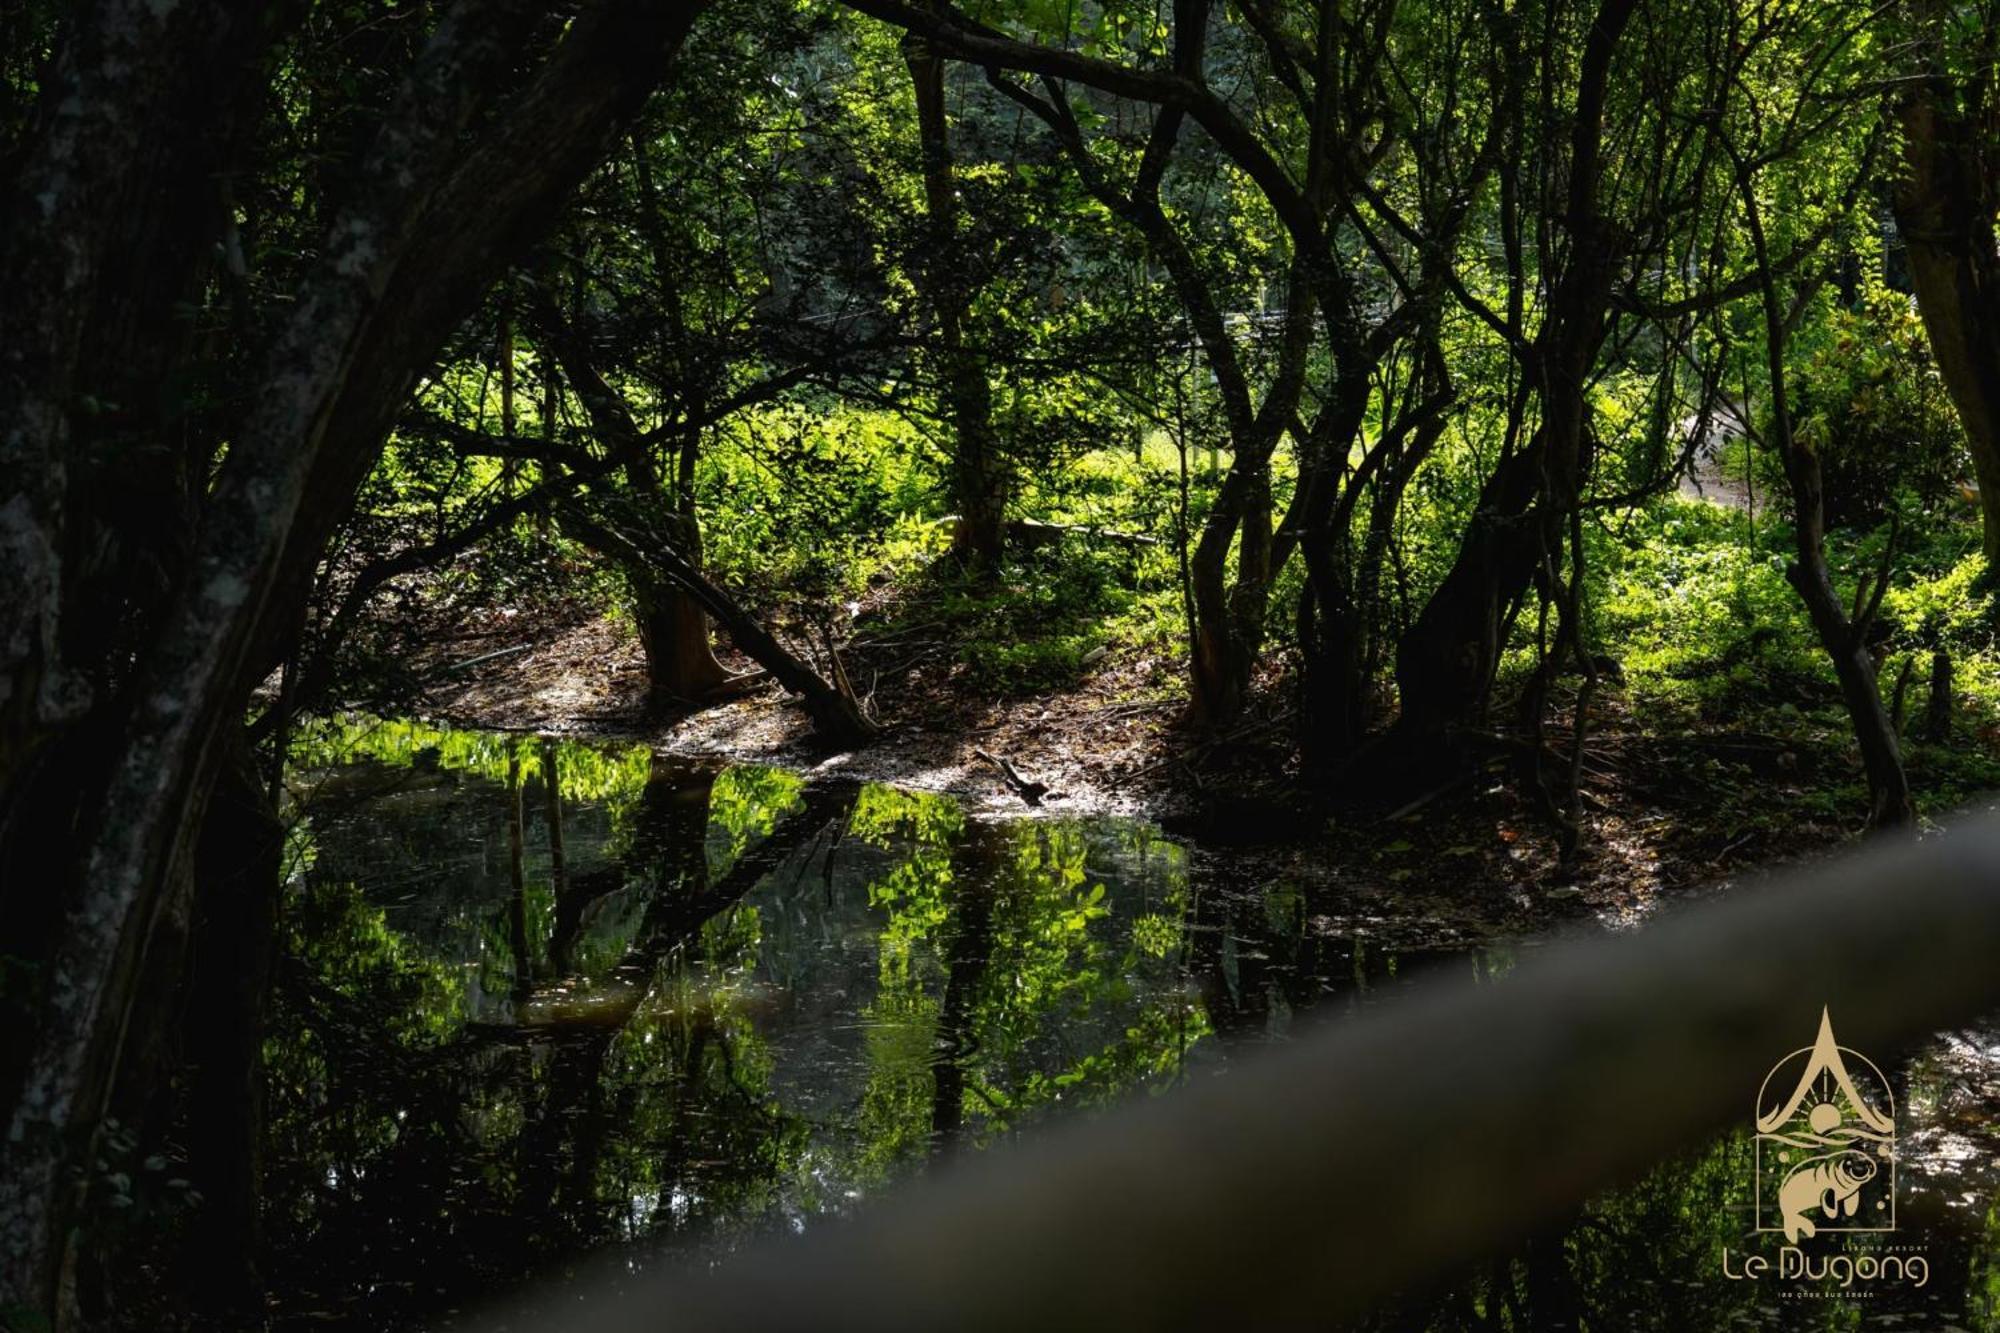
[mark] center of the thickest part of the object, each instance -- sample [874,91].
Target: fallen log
[1035,533]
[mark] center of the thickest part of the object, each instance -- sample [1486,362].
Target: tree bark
[1339,620]
[681,666]
[237,869]
[1446,661]
[980,477]
[836,716]
[552,818]
[1937,708]
[1844,640]
[450,190]
[1945,202]
[106,232]
[1226,617]
[967,960]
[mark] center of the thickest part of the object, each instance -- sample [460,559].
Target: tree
[1945,204]
[132,648]
[948,278]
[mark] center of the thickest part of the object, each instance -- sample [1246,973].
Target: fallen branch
[836,716]
[743,682]
[1031,532]
[487,657]
[1030,792]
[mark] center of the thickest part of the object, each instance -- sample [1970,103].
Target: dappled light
[996,665]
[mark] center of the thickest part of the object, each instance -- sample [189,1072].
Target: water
[736,1004]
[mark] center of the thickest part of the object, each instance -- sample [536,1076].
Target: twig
[1428,797]
[486,657]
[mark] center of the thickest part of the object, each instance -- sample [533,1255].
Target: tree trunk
[1226,623]
[967,960]
[837,716]
[517,881]
[1937,709]
[1222,658]
[1339,610]
[1843,640]
[1446,661]
[1889,803]
[237,869]
[980,477]
[455,185]
[681,667]
[552,818]
[1945,205]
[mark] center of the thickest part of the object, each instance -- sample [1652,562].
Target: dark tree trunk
[1339,611]
[1550,1287]
[1889,802]
[980,477]
[1239,1005]
[1945,204]
[1844,639]
[681,667]
[837,716]
[552,818]
[456,183]
[517,882]
[570,1109]
[1446,660]
[967,959]
[1333,702]
[1229,620]
[1937,709]
[654,540]
[237,867]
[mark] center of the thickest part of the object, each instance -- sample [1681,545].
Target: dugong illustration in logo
[1826,1142]
[1831,1184]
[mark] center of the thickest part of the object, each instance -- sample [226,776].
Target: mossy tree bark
[124,671]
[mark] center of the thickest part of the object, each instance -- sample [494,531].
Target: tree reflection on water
[541,998]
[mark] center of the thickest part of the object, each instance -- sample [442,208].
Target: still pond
[540,998]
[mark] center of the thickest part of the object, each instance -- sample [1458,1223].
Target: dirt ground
[1667,816]
[586,677]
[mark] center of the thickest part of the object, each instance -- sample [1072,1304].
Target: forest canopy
[1373,394]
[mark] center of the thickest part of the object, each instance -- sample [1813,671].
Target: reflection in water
[540,998]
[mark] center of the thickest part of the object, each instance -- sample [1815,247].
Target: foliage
[587,772]
[1872,405]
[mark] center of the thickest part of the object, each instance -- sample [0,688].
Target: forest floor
[1672,813]
[1098,750]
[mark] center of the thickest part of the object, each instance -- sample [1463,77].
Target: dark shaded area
[782,998]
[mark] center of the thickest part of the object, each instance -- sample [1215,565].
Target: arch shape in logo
[1826,1142]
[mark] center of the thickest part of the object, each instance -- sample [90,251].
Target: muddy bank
[1666,814]
[1096,750]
